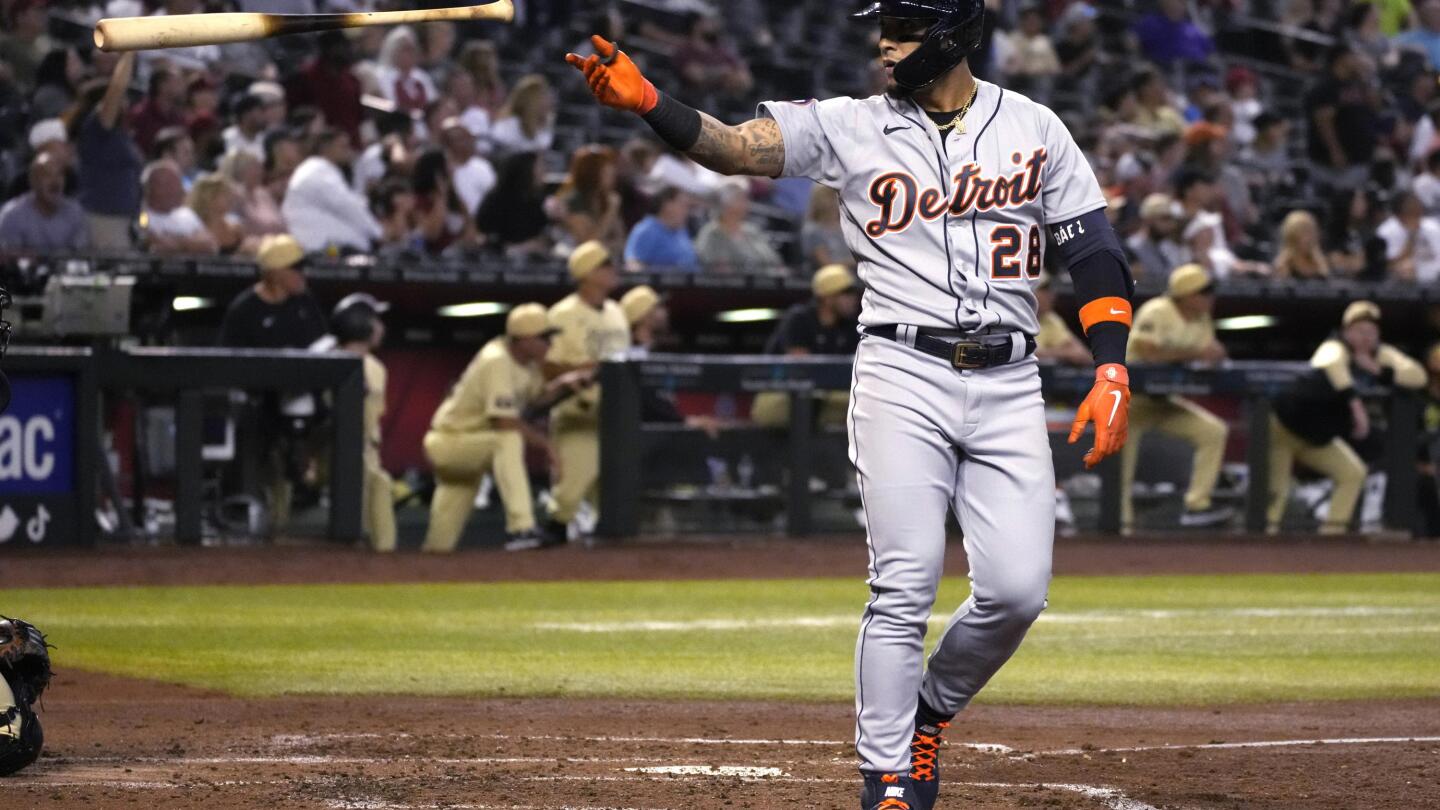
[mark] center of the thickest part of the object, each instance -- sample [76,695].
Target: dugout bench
[625,439]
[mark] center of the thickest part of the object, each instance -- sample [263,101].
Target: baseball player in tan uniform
[823,325]
[1177,328]
[1314,417]
[590,327]
[481,427]
[358,329]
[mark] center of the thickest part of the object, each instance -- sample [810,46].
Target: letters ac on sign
[27,449]
[901,199]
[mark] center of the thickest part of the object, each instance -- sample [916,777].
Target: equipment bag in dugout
[24,674]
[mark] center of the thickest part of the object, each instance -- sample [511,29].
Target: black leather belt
[957,348]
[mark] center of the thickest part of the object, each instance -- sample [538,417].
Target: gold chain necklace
[958,123]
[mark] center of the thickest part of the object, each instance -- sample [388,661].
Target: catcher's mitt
[24,674]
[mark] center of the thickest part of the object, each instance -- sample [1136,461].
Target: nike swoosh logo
[1113,408]
[1117,312]
[889,130]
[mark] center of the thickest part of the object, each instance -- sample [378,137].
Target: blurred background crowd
[1291,139]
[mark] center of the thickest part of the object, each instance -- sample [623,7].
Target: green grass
[1151,640]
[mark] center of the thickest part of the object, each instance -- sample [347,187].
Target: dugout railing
[626,440]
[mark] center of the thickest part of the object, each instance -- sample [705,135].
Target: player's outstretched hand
[1108,406]
[614,79]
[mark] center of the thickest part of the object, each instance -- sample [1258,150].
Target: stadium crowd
[1298,143]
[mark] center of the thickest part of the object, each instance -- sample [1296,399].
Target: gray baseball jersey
[947,234]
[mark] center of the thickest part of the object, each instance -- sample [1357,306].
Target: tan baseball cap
[1360,311]
[638,303]
[279,251]
[528,320]
[1159,205]
[1187,279]
[586,258]
[831,280]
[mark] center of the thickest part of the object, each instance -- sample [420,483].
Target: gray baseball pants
[926,438]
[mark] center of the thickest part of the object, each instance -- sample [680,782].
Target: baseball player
[1314,416]
[823,325]
[1177,327]
[590,327]
[949,188]
[481,427]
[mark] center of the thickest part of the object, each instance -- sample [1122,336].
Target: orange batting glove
[1108,405]
[614,79]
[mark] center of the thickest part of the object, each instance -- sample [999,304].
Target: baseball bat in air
[185,30]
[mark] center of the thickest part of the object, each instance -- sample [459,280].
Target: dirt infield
[696,558]
[116,743]
[123,744]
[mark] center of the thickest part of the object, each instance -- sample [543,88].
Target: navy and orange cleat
[925,763]
[888,791]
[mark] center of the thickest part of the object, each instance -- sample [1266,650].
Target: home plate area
[150,745]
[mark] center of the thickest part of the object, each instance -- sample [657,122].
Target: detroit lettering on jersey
[899,197]
[947,233]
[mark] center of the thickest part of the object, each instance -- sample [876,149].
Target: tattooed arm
[754,147]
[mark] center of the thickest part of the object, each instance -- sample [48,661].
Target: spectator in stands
[1177,328]
[202,97]
[1055,341]
[167,225]
[1153,111]
[1267,159]
[1343,120]
[1077,47]
[1204,234]
[826,324]
[1208,151]
[820,237]
[24,42]
[161,108]
[57,80]
[359,330]
[1300,24]
[328,84]
[527,121]
[44,219]
[1412,241]
[592,327]
[1362,32]
[175,145]
[1426,185]
[512,216]
[258,212]
[441,218]
[283,155]
[479,58]
[1300,253]
[708,64]
[1167,35]
[393,203]
[1352,246]
[1243,91]
[587,204]
[1031,61]
[481,428]
[1425,36]
[1156,247]
[437,41]
[391,155]
[213,199]
[109,160]
[730,243]
[460,88]
[471,176]
[1315,416]
[248,131]
[661,241]
[632,168]
[402,81]
[321,210]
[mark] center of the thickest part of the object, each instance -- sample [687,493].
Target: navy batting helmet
[954,35]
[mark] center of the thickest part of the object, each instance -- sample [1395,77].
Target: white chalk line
[1050,617]
[1251,744]
[301,740]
